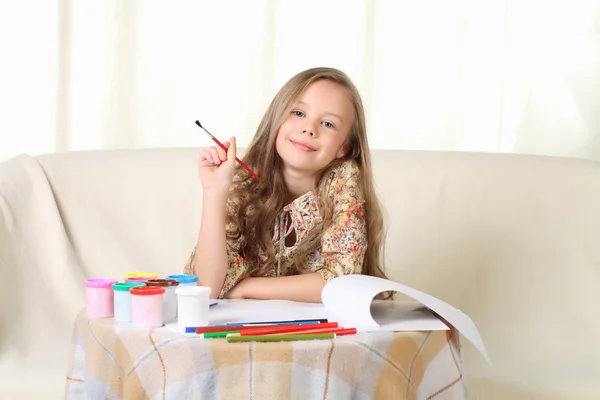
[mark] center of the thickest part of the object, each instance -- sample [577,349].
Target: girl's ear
[343,150]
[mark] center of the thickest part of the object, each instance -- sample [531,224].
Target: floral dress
[343,243]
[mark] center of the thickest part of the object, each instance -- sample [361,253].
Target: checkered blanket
[110,360]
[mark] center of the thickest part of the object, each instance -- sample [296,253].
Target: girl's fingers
[222,153]
[214,153]
[231,150]
[214,156]
[208,157]
[205,158]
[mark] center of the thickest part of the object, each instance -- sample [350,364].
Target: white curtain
[496,75]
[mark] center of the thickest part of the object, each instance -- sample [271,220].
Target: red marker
[286,329]
[337,331]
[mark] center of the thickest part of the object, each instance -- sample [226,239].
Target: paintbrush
[225,148]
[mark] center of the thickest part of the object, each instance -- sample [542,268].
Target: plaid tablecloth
[110,360]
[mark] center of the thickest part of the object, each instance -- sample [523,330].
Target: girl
[311,217]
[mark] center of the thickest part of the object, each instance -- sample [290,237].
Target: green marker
[218,335]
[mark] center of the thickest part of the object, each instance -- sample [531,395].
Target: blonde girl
[311,217]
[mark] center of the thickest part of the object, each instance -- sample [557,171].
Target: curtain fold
[500,75]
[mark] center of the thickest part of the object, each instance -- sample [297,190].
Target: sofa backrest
[510,240]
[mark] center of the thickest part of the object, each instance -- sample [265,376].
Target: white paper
[348,301]
[401,316]
[236,311]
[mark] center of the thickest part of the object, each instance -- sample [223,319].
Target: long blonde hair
[266,198]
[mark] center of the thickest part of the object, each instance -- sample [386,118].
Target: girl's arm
[305,288]
[210,260]
[216,169]
[236,266]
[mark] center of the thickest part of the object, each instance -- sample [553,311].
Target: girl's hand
[237,292]
[216,166]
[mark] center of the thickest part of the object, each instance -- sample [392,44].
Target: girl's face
[316,130]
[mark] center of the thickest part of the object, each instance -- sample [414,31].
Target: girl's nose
[308,132]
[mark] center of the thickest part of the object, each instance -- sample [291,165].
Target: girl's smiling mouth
[302,146]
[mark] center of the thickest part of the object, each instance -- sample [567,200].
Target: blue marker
[193,329]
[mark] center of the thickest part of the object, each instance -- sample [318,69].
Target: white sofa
[513,241]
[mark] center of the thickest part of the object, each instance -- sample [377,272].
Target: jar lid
[99,282]
[141,274]
[147,290]
[125,286]
[162,282]
[137,279]
[183,278]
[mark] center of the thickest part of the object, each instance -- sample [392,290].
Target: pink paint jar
[147,306]
[99,298]
[138,279]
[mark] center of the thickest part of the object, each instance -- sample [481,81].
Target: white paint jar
[192,306]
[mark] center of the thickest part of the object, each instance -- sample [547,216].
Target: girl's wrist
[215,195]
[238,292]
[243,292]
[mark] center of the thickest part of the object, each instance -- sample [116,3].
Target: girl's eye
[328,124]
[298,113]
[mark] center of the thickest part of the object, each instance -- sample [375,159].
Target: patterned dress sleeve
[238,266]
[344,242]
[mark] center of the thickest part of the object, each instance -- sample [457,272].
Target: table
[111,360]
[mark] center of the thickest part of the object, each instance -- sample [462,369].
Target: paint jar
[184,279]
[99,298]
[138,279]
[192,306]
[170,298]
[141,275]
[147,306]
[122,304]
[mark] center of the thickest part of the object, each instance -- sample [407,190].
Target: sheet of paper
[402,316]
[348,300]
[230,311]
